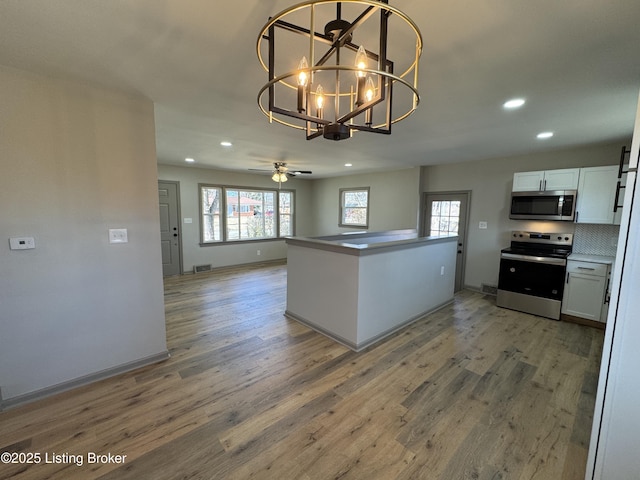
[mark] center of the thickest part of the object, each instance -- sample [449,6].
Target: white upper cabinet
[546,180]
[563,179]
[527,181]
[596,194]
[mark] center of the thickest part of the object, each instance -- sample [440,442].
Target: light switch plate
[482,225]
[118,235]
[22,243]
[188,220]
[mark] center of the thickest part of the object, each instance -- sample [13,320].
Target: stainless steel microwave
[551,205]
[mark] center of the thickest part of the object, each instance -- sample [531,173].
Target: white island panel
[357,289]
[322,291]
[401,286]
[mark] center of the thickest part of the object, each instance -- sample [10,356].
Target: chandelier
[334,82]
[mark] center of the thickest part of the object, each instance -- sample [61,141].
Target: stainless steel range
[532,272]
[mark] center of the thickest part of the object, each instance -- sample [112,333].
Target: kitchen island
[358,288]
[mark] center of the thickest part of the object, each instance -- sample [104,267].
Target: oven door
[537,276]
[531,284]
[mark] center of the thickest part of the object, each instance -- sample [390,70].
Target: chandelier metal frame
[338,35]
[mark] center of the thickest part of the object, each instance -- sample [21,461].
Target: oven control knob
[559,238]
[566,238]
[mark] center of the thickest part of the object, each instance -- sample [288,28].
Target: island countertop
[367,243]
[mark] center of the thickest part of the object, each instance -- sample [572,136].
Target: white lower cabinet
[585,290]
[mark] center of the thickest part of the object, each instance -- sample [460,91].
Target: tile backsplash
[591,239]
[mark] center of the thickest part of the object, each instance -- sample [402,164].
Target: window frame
[342,208]
[224,206]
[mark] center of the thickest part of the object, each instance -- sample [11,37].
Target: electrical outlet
[442,270]
[118,235]
[258,252]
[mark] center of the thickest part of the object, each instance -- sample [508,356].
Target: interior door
[447,213]
[170,228]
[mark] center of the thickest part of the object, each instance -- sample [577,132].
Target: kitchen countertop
[583,257]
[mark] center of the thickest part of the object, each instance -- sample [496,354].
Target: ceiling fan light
[279,177]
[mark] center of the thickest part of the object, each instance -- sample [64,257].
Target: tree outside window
[354,207]
[248,214]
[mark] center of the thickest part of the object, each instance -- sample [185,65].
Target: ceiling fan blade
[301,172]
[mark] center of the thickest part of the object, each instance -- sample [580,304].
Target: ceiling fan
[281,172]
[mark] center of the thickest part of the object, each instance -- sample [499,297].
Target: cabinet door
[584,296]
[527,181]
[596,194]
[563,179]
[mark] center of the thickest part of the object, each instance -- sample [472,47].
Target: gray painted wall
[230,254]
[394,205]
[75,161]
[393,201]
[490,183]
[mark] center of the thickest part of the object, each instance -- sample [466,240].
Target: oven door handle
[530,258]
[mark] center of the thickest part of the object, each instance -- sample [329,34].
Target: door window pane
[445,217]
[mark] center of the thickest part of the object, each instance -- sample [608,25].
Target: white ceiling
[577,63]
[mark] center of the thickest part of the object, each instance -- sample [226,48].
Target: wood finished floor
[470,392]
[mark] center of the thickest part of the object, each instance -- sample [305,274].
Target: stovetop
[554,245]
[553,252]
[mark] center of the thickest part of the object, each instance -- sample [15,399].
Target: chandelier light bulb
[369,89]
[303,73]
[319,97]
[303,80]
[319,101]
[361,62]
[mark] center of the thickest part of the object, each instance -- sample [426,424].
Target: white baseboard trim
[13,402]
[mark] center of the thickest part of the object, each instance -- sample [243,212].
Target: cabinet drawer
[587,268]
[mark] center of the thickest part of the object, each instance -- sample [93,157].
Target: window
[354,207]
[285,206]
[445,217]
[210,205]
[247,214]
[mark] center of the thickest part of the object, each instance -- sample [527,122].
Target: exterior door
[447,213]
[170,228]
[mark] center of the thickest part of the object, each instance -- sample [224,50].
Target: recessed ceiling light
[544,135]
[226,144]
[513,103]
[189,160]
[348,165]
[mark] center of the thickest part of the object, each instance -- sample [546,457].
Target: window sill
[238,242]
